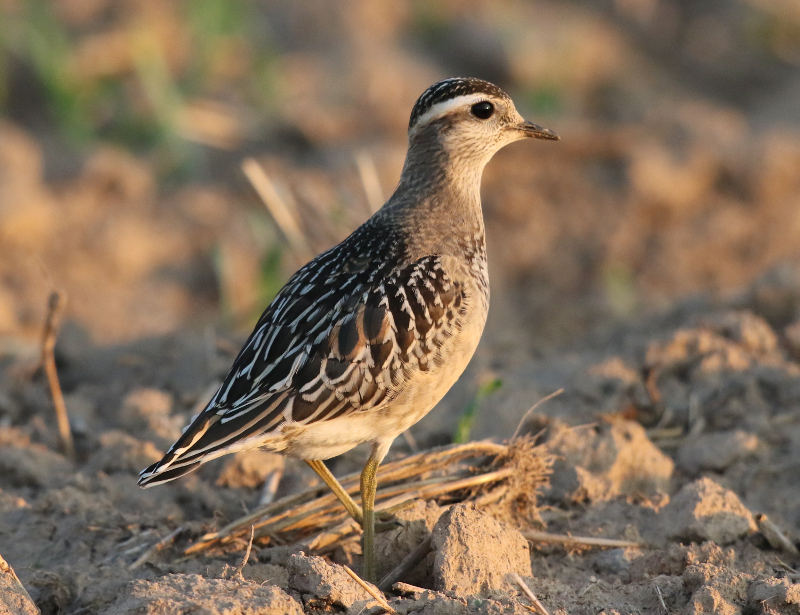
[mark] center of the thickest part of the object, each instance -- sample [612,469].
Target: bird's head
[469,117]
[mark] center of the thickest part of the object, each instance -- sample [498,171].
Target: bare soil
[690,452]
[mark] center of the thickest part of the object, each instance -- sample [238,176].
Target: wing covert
[337,343]
[340,338]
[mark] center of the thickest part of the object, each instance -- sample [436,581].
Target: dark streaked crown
[449,89]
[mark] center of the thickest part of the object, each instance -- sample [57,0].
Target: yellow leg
[353,509]
[369,485]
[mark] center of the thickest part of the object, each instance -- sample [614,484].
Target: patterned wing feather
[342,337]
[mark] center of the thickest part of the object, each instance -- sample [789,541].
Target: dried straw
[316,515]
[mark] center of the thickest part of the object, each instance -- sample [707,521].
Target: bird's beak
[529,129]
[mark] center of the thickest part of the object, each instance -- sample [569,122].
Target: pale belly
[327,439]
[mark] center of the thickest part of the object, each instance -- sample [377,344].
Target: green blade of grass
[467,420]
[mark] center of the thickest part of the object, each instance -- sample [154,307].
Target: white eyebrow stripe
[440,108]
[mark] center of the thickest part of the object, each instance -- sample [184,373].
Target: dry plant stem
[412,466]
[315,513]
[491,497]
[328,539]
[281,504]
[332,536]
[661,600]
[407,588]
[412,491]
[532,409]
[582,541]
[530,595]
[666,433]
[246,557]
[369,179]
[326,509]
[55,306]
[291,521]
[270,487]
[384,605]
[278,208]
[436,458]
[135,538]
[304,514]
[408,564]
[775,537]
[464,483]
[156,547]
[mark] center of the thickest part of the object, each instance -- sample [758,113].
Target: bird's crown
[436,96]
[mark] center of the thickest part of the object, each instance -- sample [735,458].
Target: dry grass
[497,474]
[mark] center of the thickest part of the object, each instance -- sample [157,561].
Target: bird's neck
[439,197]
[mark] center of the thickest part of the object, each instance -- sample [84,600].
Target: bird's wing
[341,337]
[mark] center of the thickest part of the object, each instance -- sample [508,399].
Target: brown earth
[716,390]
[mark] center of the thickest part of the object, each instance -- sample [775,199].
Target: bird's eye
[483,110]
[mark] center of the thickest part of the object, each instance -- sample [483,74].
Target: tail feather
[152,476]
[170,467]
[209,436]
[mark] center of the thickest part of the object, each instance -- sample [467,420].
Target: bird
[366,338]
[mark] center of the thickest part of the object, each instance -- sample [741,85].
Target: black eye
[483,110]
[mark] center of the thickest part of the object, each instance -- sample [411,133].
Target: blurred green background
[125,124]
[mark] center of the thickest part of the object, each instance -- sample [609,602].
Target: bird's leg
[353,509]
[369,485]
[387,520]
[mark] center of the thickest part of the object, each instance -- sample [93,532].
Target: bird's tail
[157,474]
[182,457]
[210,436]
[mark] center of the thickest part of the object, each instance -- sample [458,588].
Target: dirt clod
[249,468]
[709,600]
[716,451]
[703,510]
[475,553]
[601,463]
[267,573]
[391,547]
[32,465]
[121,452]
[177,594]
[728,583]
[434,603]
[774,596]
[317,580]
[147,411]
[14,600]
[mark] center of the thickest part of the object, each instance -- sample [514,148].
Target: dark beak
[529,129]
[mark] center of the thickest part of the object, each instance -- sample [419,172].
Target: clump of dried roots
[516,499]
